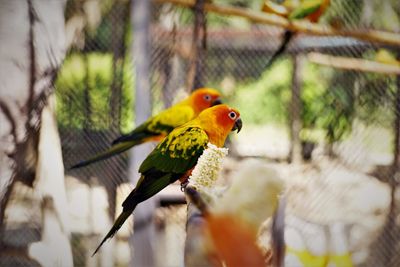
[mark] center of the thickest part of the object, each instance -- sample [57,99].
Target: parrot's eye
[232,115]
[207,97]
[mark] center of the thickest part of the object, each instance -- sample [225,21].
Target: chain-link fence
[335,102]
[341,123]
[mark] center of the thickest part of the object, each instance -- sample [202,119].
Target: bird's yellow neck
[190,103]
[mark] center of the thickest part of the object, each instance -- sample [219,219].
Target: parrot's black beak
[238,125]
[216,102]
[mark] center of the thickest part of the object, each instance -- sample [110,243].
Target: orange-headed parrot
[311,10]
[176,156]
[158,126]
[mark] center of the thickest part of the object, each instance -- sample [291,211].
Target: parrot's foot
[184,184]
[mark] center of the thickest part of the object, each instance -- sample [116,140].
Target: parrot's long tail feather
[282,48]
[112,151]
[138,137]
[118,223]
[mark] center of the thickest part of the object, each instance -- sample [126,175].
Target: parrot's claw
[184,184]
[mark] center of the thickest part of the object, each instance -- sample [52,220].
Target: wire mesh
[347,114]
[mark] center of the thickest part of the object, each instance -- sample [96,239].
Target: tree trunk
[295,110]
[391,230]
[120,13]
[195,72]
[383,250]
[32,34]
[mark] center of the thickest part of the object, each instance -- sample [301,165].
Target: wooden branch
[357,64]
[278,234]
[387,38]
[198,252]
[195,198]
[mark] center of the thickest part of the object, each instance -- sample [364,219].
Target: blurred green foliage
[74,79]
[266,99]
[336,117]
[376,99]
[325,106]
[331,99]
[328,103]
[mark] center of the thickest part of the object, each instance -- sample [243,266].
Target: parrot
[158,126]
[311,10]
[176,155]
[386,57]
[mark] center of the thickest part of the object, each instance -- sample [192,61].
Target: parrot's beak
[238,125]
[216,102]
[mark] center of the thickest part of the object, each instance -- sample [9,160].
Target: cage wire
[95,101]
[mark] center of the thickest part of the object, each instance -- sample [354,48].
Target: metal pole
[144,228]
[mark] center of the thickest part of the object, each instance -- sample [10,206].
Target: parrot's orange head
[203,98]
[227,117]
[218,121]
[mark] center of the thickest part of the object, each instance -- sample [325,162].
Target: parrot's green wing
[305,9]
[175,155]
[169,161]
[161,124]
[178,152]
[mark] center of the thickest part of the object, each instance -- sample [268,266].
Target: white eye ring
[232,115]
[207,97]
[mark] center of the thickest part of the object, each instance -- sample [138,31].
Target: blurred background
[331,133]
